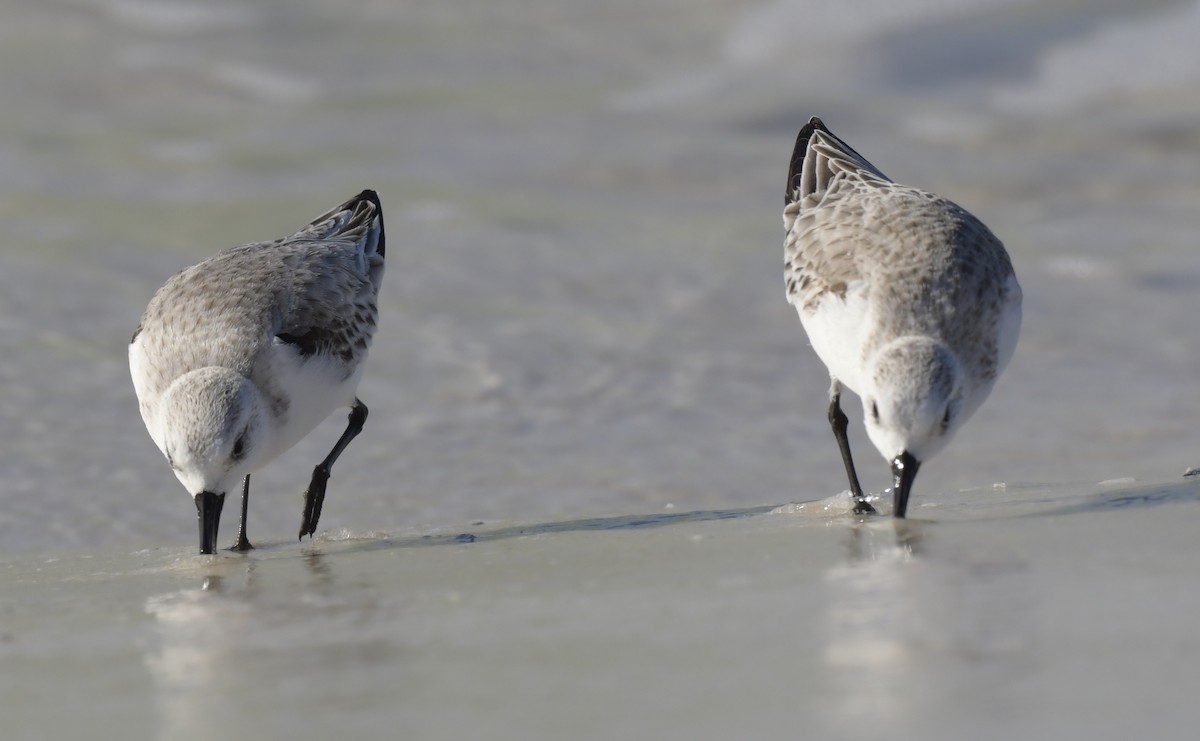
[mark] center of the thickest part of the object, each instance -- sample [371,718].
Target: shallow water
[583,311]
[584,317]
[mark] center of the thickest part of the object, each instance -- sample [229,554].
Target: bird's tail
[359,219]
[818,157]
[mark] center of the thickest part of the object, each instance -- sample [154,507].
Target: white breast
[837,328]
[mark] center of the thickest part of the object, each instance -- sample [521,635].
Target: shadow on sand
[589,524]
[1130,497]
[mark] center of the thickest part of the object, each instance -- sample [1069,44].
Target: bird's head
[912,405]
[213,433]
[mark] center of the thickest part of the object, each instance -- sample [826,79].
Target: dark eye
[239,448]
[875,411]
[946,419]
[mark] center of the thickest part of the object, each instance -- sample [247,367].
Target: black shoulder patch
[306,343]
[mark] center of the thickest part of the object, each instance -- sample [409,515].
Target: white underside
[315,389]
[837,329]
[137,369]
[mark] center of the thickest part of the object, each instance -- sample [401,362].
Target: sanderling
[909,300]
[239,357]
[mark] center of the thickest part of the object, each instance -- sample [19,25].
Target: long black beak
[208,509]
[904,471]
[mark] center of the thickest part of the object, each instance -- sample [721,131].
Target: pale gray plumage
[240,356]
[909,300]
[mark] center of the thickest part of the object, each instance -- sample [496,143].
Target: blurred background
[584,310]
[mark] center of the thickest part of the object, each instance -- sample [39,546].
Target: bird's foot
[863,507]
[243,544]
[314,497]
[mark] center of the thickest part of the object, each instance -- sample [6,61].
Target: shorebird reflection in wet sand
[910,301]
[236,359]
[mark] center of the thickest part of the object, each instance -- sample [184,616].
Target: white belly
[837,330]
[314,389]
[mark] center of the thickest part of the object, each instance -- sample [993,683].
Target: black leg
[838,421]
[314,497]
[243,542]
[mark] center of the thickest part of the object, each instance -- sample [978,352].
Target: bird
[239,357]
[908,299]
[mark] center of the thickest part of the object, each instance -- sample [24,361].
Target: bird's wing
[334,266]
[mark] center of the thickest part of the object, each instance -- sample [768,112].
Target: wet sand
[1011,612]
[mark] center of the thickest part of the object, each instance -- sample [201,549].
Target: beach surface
[1009,613]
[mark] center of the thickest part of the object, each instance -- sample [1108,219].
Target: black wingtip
[367,195]
[798,152]
[370,196]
